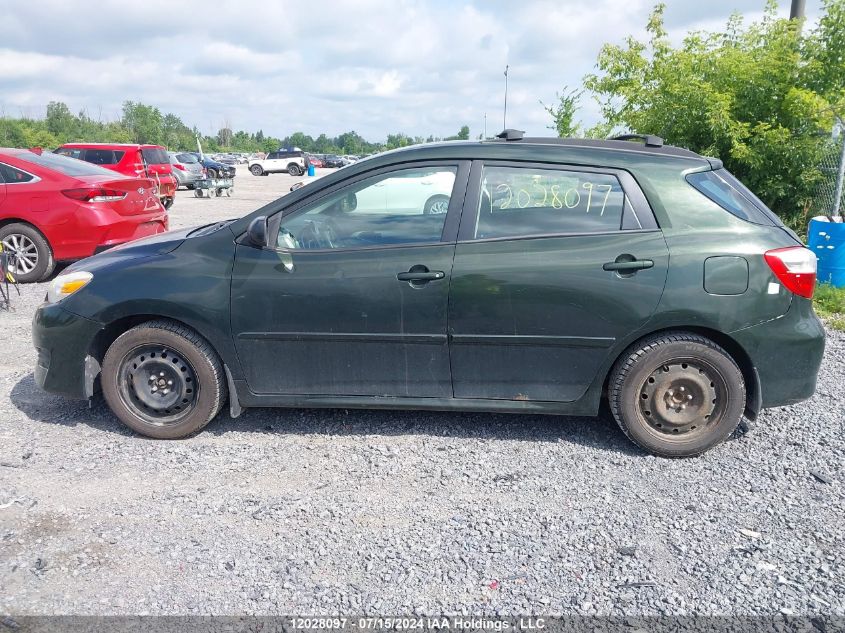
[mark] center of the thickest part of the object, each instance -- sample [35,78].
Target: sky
[373,66]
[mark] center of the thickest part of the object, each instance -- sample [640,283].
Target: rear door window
[724,189]
[65,165]
[527,201]
[102,156]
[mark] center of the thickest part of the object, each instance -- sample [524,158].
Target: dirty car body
[557,273]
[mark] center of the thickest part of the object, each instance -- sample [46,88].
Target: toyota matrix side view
[518,275]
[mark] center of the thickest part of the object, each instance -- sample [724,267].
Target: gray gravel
[311,511]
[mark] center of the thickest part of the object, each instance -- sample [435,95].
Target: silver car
[186,168]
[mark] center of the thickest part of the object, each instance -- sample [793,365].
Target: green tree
[760,97]
[463,134]
[563,113]
[143,122]
[60,120]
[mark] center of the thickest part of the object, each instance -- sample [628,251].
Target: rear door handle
[630,265]
[431,275]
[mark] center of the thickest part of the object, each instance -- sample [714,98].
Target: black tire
[256,170]
[436,205]
[294,170]
[676,394]
[212,173]
[37,263]
[168,202]
[189,393]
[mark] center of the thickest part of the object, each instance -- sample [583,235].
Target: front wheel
[294,170]
[677,394]
[163,380]
[167,202]
[30,255]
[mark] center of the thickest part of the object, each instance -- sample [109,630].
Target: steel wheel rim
[157,384]
[682,397]
[23,251]
[439,207]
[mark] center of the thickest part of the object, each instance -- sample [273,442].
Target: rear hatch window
[734,197]
[155,156]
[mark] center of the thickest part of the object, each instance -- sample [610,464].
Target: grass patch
[829,303]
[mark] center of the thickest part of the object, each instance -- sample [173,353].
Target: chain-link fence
[823,202]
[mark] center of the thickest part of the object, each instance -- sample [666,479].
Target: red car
[54,208]
[130,159]
[316,161]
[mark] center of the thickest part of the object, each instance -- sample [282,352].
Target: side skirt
[585,406]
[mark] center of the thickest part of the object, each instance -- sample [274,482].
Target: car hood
[145,247]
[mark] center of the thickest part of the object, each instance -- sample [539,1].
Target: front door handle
[430,275]
[628,265]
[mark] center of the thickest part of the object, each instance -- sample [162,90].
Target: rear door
[553,265]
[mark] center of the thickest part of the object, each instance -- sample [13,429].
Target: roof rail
[511,135]
[650,140]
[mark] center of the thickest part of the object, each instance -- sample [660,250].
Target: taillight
[795,267]
[95,194]
[178,166]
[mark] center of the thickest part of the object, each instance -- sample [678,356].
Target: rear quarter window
[724,189]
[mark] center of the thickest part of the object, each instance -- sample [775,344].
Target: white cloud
[375,67]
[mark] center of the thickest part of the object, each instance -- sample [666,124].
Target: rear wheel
[677,394]
[436,205]
[256,170]
[31,258]
[163,380]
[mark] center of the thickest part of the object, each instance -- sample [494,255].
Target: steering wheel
[323,233]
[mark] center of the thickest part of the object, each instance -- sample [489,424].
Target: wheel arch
[753,394]
[110,332]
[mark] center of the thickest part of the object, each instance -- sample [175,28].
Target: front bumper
[63,340]
[787,353]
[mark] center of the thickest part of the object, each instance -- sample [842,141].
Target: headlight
[65,285]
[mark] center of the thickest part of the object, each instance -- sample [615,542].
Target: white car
[291,161]
[414,193]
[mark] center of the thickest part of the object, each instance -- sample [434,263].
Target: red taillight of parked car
[179,166]
[795,267]
[95,194]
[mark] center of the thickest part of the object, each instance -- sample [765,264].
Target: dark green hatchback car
[517,275]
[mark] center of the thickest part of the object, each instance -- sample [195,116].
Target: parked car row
[54,207]
[130,159]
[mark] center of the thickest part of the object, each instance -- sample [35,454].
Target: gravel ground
[315,511]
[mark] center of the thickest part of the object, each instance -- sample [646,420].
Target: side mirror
[257,232]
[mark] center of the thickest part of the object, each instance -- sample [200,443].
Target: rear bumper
[62,340]
[97,231]
[786,353]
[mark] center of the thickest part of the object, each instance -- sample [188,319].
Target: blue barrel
[311,171]
[827,241]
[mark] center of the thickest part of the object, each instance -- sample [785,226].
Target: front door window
[407,206]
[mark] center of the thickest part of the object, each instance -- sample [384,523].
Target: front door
[352,299]
[552,267]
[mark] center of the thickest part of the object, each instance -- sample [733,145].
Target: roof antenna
[511,135]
